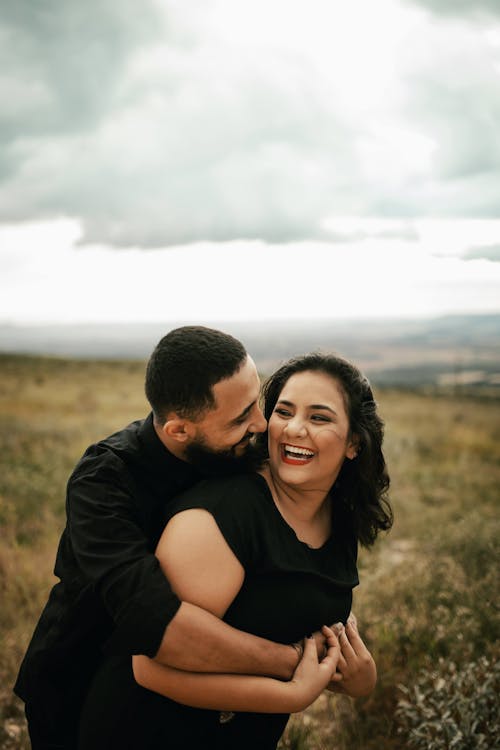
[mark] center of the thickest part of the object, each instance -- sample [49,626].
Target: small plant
[297,736]
[452,708]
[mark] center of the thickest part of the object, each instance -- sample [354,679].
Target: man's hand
[356,671]
[320,639]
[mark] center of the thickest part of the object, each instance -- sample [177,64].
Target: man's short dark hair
[185,366]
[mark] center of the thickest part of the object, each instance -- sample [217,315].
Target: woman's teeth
[294,452]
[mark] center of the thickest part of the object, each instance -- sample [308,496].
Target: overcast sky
[210,159]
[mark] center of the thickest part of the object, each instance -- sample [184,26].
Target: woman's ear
[352,447]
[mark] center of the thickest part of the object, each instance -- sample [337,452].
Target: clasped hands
[353,670]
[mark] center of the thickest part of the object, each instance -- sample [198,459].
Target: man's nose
[258,423]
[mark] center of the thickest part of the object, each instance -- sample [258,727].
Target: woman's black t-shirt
[289,590]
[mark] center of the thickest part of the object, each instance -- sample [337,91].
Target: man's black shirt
[112,596]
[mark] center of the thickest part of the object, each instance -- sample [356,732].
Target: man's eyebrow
[243,414]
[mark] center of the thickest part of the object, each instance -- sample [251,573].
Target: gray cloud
[182,156]
[453,99]
[461,8]
[62,63]
[209,145]
[486,252]
[462,113]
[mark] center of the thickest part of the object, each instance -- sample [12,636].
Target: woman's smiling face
[309,435]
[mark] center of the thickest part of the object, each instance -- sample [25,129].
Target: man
[112,596]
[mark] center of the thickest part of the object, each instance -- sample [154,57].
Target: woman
[273,553]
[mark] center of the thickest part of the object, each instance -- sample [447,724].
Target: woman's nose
[296,426]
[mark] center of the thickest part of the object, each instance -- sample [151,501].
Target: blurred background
[304,175]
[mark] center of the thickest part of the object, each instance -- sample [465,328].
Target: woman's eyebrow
[311,406]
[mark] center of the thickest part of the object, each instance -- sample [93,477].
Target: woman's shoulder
[239,506]
[237,492]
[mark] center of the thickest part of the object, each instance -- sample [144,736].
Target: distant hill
[452,349]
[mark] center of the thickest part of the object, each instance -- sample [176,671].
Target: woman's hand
[312,676]
[237,692]
[321,646]
[356,671]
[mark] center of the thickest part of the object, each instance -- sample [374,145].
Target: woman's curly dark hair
[363,481]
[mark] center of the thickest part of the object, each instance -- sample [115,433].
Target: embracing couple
[207,550]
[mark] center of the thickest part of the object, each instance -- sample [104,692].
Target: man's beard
[225,462]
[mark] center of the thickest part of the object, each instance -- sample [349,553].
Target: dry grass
[51,410]
[429,590]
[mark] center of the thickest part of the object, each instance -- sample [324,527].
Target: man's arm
[112,553]
[197,641]
[232,692]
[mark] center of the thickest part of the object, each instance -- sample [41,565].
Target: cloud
[62,63]
[485,252]
[452,82]
[462,112]
[361,229]
[462,8]
[203,282]
[453,238]
[189,140]
[155,125]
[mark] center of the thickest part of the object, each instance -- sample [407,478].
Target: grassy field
[428,600]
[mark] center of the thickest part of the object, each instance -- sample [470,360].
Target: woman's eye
[320,418]
[282,412]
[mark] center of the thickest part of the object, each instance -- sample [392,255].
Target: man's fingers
[351,642]
[353,619]
[355,639]
[328,632]
[342,664]
[331,640]
[337,677]
[319,638]
[333,653]
[347,650]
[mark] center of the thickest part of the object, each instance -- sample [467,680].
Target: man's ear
[352,447]
[178,428]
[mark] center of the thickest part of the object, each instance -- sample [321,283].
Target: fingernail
[337,628]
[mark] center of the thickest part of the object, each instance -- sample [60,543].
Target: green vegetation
[452,707]
[428,600]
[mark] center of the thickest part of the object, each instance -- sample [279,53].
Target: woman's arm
[204,571]
[196,639]
[242,692]
[198,562]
